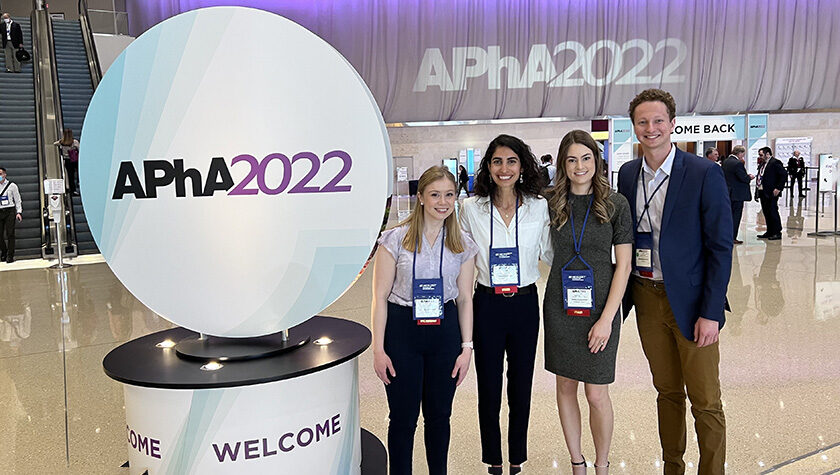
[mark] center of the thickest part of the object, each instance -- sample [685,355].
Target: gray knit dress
[566,346]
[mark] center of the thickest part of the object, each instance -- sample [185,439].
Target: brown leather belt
[650,283]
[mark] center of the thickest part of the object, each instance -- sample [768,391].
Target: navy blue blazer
[737,179]
[774,177]
[695,242]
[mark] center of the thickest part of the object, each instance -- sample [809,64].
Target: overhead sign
[234,169]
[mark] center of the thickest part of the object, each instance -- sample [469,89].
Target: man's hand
[706,332]
[776,192]
[19,218]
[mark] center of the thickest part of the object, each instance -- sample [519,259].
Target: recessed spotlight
[324,340]
[166,344]
[211,366]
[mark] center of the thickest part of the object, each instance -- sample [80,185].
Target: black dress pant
[737,212]
[423,358]
[7,231]
[72,172]
[505,325]
[770,208]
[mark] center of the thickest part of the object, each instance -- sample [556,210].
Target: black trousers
[770,208]
[423,358]
[72,172]
[737,212]
[796,177]
[7,231]
[505,325]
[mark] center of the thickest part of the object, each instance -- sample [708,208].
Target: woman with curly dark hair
[509,222]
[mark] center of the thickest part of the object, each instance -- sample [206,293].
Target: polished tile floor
[780,368]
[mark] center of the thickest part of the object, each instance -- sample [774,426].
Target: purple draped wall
[487,59]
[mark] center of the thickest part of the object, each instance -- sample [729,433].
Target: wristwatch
[467,344]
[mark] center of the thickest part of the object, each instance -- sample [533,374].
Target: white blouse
[534,238]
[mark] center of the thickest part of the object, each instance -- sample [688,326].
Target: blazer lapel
[636,167]
[676,179]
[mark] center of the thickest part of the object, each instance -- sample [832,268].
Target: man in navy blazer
[682,261]
[738,182]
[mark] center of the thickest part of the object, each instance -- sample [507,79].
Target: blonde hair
[415,221]
[558,200]
[67,138]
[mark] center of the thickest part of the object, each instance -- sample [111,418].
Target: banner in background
[784,147]
[756,139]
[235,190]
[493,59]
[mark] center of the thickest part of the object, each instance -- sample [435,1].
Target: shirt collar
[666,165]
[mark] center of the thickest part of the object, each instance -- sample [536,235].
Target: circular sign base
[212,348]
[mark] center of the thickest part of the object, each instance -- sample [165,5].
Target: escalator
[75,90]
[19,147]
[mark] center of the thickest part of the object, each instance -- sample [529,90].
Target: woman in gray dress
[584,291]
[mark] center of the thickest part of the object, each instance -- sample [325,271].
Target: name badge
[427,302]
[578,292]
[644,254]
[504,269]
[4,200]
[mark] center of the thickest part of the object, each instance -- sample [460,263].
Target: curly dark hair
[530,184]
[654,95]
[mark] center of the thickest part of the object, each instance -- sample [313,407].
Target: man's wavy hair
[654,95]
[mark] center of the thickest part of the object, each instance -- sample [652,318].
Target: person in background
[796,171]
[682,221]
[588,222]
[738,183]
[712,154]
[422,320]
[772,179]
[12,39]
[509,222]
[70,155]
[463,181]
[547,170]
[10,211]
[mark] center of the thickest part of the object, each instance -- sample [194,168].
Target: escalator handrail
[90,45]
[69,216]
[46,239]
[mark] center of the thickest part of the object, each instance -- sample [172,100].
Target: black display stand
[142,362]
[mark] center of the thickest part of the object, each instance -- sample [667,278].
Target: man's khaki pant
[12,63]
[679,367]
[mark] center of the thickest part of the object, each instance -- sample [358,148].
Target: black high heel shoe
[515,470]
[495,470]
[582,463]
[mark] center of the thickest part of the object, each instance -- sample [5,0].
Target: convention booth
[238,192]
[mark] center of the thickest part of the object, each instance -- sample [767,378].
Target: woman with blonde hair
[584,291]
[422,320]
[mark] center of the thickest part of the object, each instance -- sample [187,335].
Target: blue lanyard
[578,242]
[414,260]
[516,218]
[647,201]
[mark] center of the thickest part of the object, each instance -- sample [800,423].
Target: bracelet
[467,344]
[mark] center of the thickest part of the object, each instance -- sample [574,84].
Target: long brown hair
[415,221]
[67,138]
[558,200]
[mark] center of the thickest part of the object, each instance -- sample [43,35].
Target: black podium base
[374,455]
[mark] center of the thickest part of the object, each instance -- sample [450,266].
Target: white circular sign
[234,171]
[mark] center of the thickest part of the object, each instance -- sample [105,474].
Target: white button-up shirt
[534,240]
[650,180]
